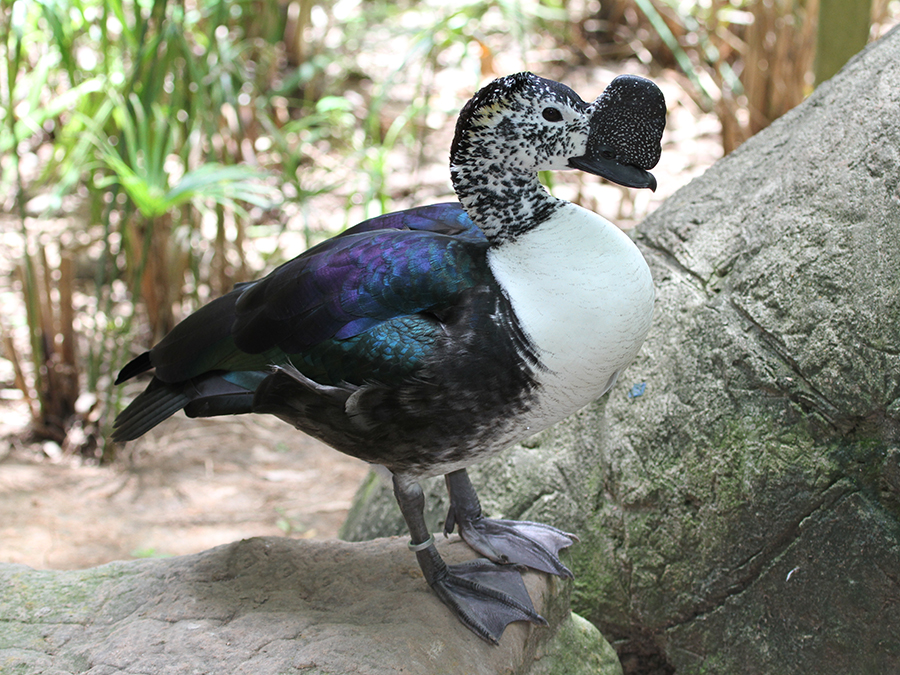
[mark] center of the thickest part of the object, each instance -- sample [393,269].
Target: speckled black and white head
[521,124]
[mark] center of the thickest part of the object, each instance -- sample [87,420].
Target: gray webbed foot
[485,597]
[534,545]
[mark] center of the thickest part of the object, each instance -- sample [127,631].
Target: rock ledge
[273,605]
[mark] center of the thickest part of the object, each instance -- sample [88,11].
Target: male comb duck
[428,339]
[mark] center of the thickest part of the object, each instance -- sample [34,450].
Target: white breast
[584,296]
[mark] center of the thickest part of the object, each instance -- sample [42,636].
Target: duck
[431,338]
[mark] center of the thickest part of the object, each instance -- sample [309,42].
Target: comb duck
[428,339]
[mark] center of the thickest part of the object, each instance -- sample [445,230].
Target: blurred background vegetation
[154,152]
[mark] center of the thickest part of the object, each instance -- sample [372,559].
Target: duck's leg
[484,596]
[504,541]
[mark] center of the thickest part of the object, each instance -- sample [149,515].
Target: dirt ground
[192,484]
[185,487]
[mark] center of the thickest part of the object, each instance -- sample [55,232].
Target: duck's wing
[363,305]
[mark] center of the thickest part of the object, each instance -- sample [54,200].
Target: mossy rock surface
[742,515]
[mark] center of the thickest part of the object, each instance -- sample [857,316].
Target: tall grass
[131,100]
[747,61]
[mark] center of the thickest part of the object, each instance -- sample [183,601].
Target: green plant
[748,62]
[135,122]
[158,184]
[51,335]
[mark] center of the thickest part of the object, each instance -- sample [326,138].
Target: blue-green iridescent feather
[363,306]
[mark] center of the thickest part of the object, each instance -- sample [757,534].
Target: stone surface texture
[273,605]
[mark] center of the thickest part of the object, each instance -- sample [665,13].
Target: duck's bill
[614,171]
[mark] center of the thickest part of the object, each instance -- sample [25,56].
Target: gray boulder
[274,605]
[739,509]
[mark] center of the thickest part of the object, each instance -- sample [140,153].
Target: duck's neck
[503,202]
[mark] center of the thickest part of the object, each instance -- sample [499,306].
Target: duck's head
[523,123]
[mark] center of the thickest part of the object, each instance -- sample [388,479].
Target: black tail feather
[136,366]
[156,403]
[206,396]
[213,395]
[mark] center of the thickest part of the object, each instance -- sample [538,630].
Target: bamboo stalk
[68,349]
[45,296]
[21,383]
[27,277]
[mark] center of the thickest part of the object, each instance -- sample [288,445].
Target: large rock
[742,515]
[274,605]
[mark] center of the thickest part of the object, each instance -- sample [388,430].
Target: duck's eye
[552,114]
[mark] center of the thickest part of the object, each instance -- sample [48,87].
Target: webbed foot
[484,596]
[534,545]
